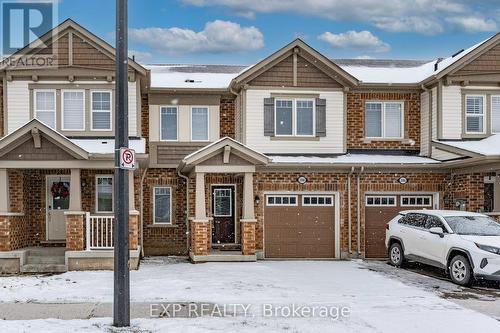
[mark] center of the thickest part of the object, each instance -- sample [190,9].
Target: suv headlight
[488,248]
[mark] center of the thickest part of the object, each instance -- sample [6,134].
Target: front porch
[223,224]
[56,204]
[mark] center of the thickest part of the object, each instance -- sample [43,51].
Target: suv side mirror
[437,231]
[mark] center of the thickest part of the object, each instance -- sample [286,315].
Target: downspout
[188,238]
[142,210]
[349,213]
[359,210]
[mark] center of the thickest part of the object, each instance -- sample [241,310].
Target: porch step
[44,268]
[46,252]
[227,247]
[45,260]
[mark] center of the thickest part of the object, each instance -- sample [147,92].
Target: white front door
[57,204]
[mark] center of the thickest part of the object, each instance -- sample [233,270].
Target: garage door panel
[376,218]
[299,231]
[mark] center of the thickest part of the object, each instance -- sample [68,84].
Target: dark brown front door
[223,213]
[379,210]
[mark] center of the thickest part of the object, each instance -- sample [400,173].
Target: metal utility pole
[121,306]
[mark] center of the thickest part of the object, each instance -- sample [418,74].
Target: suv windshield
[473,225]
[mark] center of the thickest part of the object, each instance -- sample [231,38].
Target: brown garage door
[380,209]
[299,226]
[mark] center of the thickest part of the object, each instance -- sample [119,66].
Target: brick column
[199,237]
[5,233]
[133,225]
[75,231]
[248,237]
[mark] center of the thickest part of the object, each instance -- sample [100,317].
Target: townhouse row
[297,156]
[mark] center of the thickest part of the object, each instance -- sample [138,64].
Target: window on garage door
[281,200]
[416,201]
[317,200]
[380,200]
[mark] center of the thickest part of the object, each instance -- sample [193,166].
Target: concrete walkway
[66,311]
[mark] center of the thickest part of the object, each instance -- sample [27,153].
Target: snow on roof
[353,159]
[193,76]
[400,72]
[489,146]
[107,146]
[366,70]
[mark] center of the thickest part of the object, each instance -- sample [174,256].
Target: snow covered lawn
[375,302]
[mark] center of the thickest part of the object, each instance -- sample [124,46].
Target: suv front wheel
[396,255]
[460,270]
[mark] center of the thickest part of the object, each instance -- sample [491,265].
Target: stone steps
[45,260]
[44,268]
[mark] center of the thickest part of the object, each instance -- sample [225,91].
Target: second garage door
[299,226]
[380,209]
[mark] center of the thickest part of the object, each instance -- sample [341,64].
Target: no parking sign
[127,158]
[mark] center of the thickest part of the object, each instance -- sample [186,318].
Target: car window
[414,220]
[434,222]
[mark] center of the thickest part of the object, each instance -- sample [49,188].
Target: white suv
[466,245]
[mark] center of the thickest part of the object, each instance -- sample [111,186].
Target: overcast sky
[243,32]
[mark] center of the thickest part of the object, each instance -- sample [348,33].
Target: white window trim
[294,117]
[415,196]
[281,204]
[491,112]
[92,110]
[231,202]
[154,205]
[97,177]
[177,119]
[318,196]
[380,196]
[191,122]
[475,115]
[382,115]
[62,110]
[35,111]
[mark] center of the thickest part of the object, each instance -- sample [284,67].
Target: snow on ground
[376,302]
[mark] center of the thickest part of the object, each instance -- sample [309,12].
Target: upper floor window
[45,107]
[495,114]
[474,115]
[73,110]
[294,117]
[384,120]
[168,123]
[199,123]
[101,110]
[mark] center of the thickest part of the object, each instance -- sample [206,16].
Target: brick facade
[227,117]
[356,119]
[165,239]
[470,188]
[248,245]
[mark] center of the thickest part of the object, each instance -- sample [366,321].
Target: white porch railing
[99,230]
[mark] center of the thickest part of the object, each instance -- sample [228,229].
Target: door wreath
[59,190]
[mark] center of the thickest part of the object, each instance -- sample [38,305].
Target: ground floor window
[104,194]
[162,205]
[380,200]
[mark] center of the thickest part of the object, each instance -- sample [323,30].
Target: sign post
[121,304]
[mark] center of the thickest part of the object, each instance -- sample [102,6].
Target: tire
[396,255]
[460,271]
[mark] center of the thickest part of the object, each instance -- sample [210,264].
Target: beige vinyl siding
[424,123]
[18,104]
[332,143]
[442,155]
[451,112]
[434,117]
[132,109]
[184,122]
